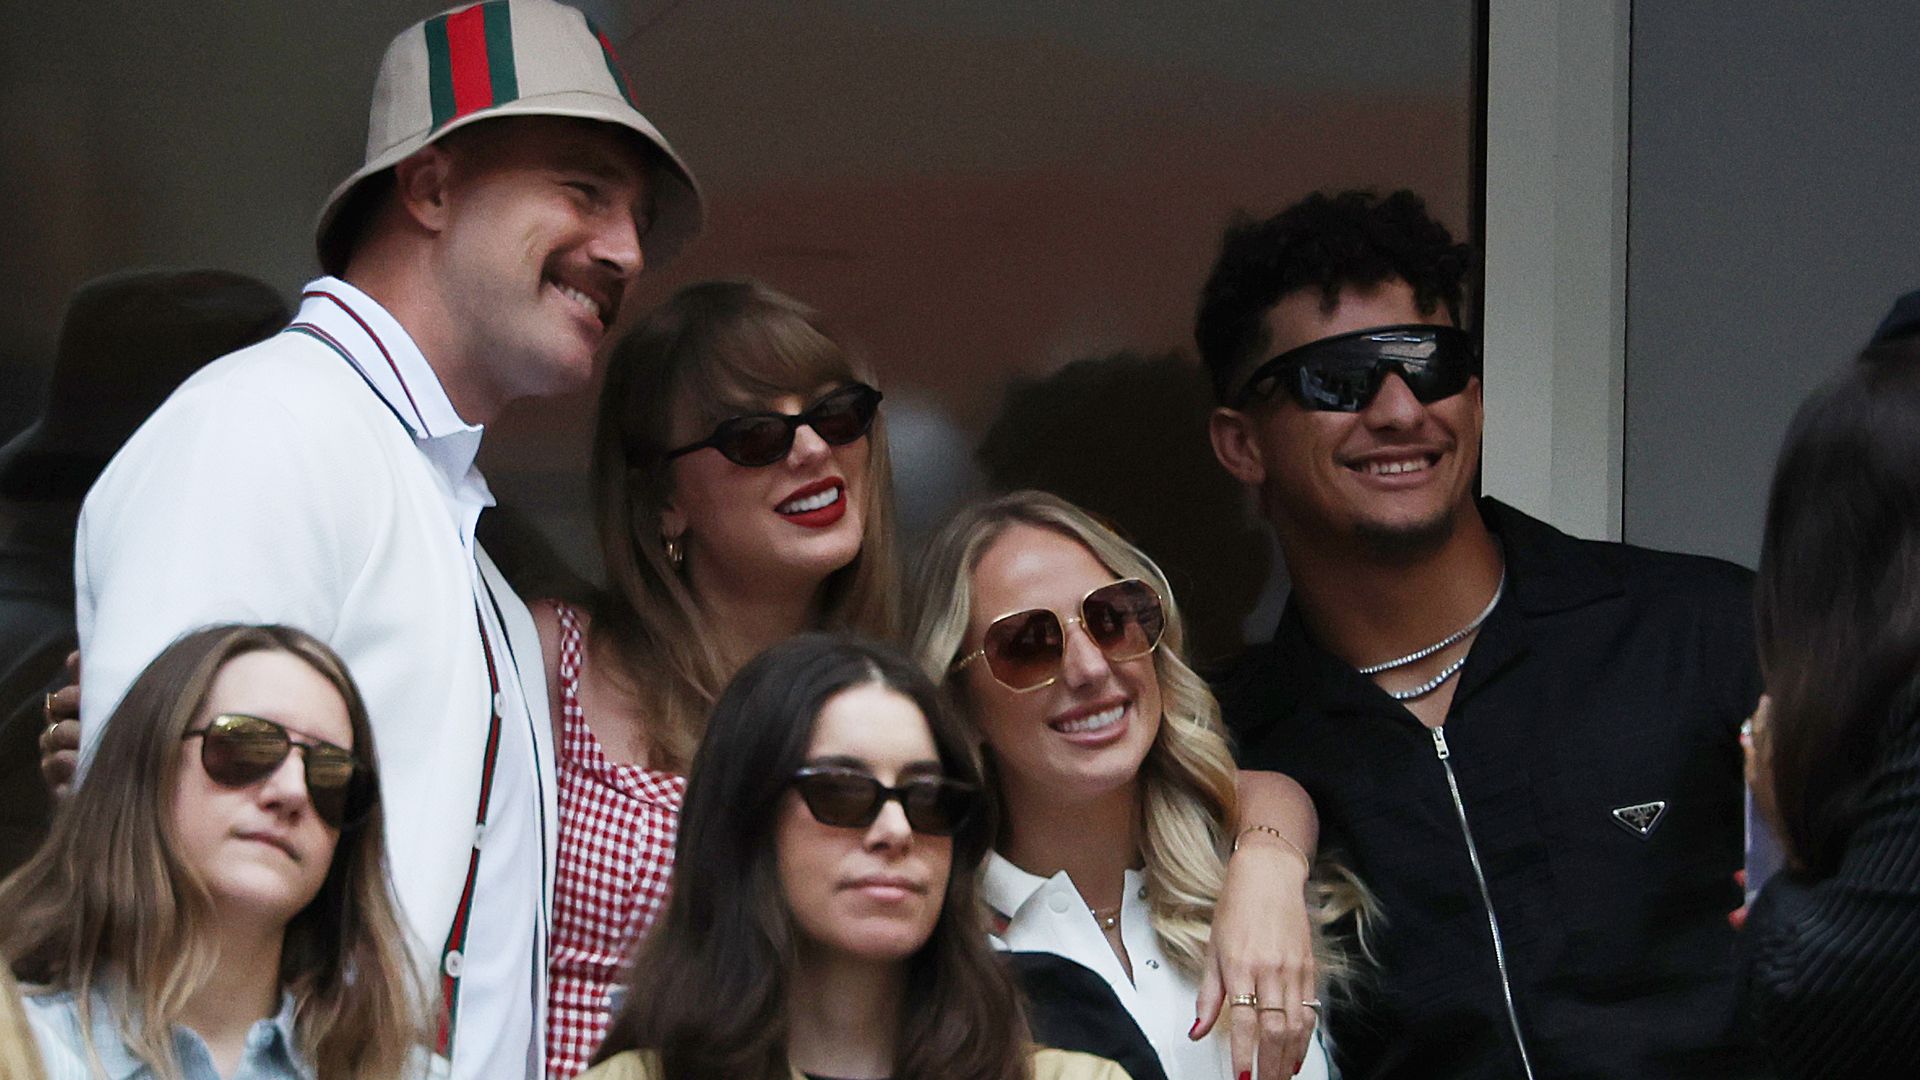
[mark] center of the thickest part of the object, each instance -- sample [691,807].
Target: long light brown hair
[1188,803]
[106,904]
[714,350]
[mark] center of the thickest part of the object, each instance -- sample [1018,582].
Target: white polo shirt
[322,479]
[1048,915]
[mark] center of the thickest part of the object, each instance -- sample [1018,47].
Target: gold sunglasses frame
[981,652]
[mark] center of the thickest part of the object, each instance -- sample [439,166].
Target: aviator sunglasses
[1024,650]
[1343,373]
[763,438]
[239,750]
[850,799]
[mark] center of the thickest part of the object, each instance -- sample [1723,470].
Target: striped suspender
[453,954]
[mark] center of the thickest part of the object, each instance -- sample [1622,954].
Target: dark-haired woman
[824,919]
[1834,940]
[742,494]
[214,901]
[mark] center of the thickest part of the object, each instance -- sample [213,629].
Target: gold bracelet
[1277,835]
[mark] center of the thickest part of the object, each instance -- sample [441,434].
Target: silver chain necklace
[1451,669]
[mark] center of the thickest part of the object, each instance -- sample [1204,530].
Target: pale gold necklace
[1108,919]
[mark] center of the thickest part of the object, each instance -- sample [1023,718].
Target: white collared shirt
[1048,915]
[322,479]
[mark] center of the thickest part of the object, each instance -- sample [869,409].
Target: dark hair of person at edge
[1832,989]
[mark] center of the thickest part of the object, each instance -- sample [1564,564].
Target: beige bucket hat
[503,58]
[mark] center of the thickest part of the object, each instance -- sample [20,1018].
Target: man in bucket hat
[325,478]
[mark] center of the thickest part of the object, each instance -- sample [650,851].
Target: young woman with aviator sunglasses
[824,921]
[742,494]
[213,901]
[1121,804]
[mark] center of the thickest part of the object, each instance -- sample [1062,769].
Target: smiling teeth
[810,503]
[579,297]
[1393,468]
[1091,723]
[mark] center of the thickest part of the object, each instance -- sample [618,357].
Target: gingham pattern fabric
[617,825]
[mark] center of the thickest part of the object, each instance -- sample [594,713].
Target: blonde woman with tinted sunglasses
[1122,806]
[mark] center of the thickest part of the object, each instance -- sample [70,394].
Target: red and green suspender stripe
[457,934]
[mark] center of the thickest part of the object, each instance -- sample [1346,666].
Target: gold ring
[1244,999]
[1312,1003]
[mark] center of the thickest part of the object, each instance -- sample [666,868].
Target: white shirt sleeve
[226,506]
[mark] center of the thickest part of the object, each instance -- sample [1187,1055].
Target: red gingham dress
[617,825]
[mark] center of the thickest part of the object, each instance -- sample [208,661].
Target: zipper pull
[1440,744]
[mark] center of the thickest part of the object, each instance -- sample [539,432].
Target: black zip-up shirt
[1593,743]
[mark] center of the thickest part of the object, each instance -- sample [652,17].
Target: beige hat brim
[678,207]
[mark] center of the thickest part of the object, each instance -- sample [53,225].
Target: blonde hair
[106,904]
[718,349]
[1188,802]
[1187,781]
[19,1056]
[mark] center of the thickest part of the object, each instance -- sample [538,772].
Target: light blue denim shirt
[271,1051]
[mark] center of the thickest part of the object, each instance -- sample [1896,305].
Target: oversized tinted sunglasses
[850,799]
[1344,372]
[764,438]
[1024,650]
[239,750]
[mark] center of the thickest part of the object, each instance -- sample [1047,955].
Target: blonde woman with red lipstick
[741,496]
[1121,803]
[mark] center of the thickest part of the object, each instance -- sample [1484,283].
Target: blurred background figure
[1903,321]
[126,341]
[1833,987]
[1124,436]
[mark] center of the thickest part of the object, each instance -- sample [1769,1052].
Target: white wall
[1556,224]
[1776,215]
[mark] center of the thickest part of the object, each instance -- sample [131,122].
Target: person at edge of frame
[325,478]
[1526,744]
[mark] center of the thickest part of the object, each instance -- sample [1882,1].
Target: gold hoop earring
[675,553]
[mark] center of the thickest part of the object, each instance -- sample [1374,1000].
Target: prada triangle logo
[1642,818]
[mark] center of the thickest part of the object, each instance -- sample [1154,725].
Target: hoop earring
[676,554]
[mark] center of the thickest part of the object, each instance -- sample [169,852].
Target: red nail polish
[1246,1074]
[1193,1032]
[1298,1065]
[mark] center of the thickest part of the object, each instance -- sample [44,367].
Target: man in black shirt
[1525,744]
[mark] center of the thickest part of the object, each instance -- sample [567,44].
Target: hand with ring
[1261,950]
[60,739]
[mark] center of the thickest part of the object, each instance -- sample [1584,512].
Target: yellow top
[1047,1065]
